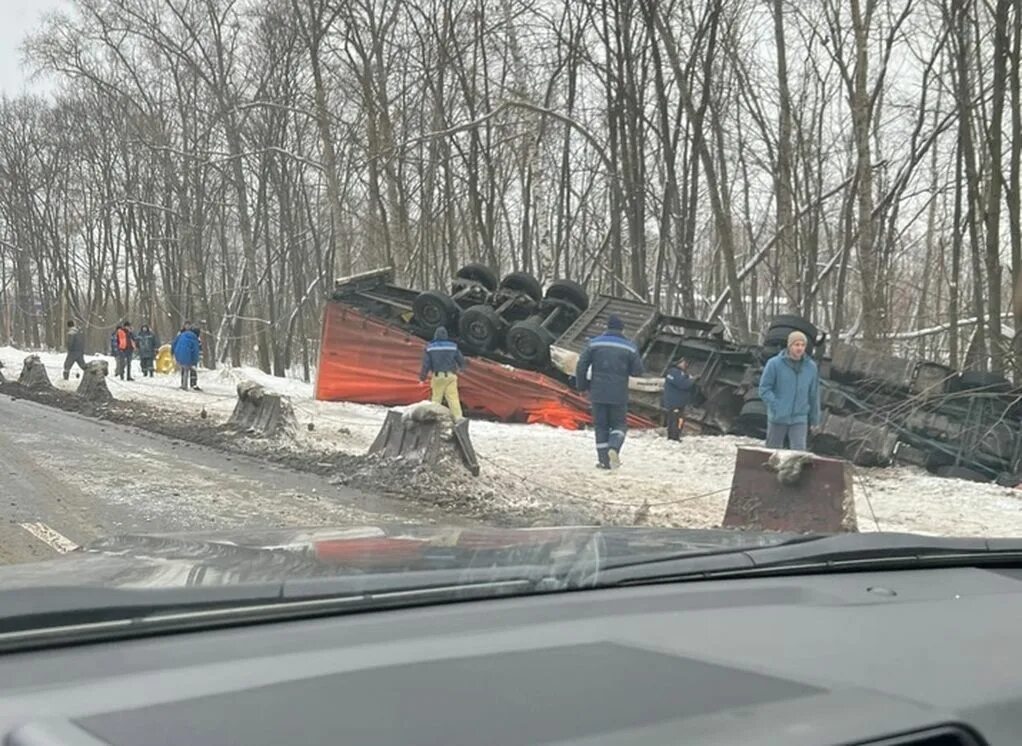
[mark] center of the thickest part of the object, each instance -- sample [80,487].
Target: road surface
[66,480]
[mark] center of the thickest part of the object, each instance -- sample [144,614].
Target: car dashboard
[928,657]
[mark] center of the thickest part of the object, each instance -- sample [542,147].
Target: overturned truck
[523,343]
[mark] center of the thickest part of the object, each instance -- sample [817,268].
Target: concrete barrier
[790,491]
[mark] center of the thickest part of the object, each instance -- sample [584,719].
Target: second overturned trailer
[524,342]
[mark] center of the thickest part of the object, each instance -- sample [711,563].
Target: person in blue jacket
[678,387]
[185,349]
[603,370]
[790,387]
[443,359]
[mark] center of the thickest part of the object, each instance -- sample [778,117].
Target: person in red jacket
[124,346]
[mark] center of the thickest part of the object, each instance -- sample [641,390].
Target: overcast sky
[17,19]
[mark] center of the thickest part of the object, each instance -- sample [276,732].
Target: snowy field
[683,484]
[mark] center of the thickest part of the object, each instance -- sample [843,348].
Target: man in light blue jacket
[790,386]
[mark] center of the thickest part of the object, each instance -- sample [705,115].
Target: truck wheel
[777,339]
[481,328]
[433,309]
[479,273]
[523,282]
[569,291]
[529,342]
[752,419]
[800,323]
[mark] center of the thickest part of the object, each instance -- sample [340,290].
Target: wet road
[66,480]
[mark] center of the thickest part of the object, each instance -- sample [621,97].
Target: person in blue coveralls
[678,387]
[603,370]
[443,359]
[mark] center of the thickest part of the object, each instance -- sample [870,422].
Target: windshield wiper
[816,554]
[46,616]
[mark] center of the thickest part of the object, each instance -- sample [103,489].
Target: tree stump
[426,435]
[33,374]
[93,386]
[262,413]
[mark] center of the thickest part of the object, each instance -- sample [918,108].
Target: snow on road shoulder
[682,484]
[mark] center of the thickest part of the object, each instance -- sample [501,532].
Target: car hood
[245,557]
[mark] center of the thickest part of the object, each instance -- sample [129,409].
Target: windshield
[294,290]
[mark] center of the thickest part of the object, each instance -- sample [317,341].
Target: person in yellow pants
[444,360]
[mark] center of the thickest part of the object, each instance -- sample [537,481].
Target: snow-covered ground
[684,484]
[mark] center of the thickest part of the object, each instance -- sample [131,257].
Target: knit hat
[797,336]
[614,323]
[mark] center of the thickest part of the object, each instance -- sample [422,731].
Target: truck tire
[479,273]
[523,282]
[529,342]
[795,323]
[776,339]
[432,309]
[569,291]
[751,420]
[480,328]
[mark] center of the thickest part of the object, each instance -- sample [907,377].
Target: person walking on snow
[678,387]
[186,353]
[75,349]
[148,344]
[443,359]
[197,331]
[611,358]
[126,343]
[790,386]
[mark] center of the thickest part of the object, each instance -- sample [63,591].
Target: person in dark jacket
[444,360]
[148,344]
[603,370]
[678,387]
[186,353]
[790,387]
[75,349]
[125,344]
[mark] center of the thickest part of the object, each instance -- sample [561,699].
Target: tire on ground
[480,328]
[523,282]
[529,342]
[569,291]
[478,273]
[433,309]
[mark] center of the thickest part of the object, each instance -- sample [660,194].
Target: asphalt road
[66,480]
